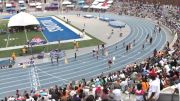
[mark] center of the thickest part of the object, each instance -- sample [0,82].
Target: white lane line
[52,75]
[19,84]
[25,31]
[44,37]
[7,43]
[29,79]
[10,91]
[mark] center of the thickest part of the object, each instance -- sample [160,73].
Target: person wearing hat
[154,88]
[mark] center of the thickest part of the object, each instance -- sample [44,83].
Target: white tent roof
[22,19]
[33,4]
[95,3]
[110,1]
[85,6]
[70,6]
[99,0]
[106,7]
[39,7]
[66,2]
[21,2]
[38,4]
[8,5]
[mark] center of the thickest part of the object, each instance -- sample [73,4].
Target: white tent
[70,6]
[21,2]
[22,19]
[66,3]
[32,4]
[95,3]
[110,1]
[8,5]
[99,0]
[85,6]
[38,4]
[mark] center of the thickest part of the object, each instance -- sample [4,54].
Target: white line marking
[8,40]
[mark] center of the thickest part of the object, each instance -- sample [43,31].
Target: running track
[85,66]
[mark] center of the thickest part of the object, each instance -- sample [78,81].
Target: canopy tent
[21,2]
[104,5]
[32,4]
[110,1]
[39,7]
[8,5]
[99,0]
[38,4]
[85,6]
[22,19]
[66,3]
[70,6]
[95,3]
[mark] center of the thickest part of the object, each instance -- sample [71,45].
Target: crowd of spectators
[155,73]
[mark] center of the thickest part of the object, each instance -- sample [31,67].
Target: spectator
[140,95]
[116,94]
[145,85]
[90,98]
[154,89]
[104,95]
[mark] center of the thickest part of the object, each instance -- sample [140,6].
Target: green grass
[20,37]
[3,24]
[62,46]
[17,39]
[2,40]
[37,49]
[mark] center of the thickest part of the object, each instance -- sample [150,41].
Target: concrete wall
[168,97]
